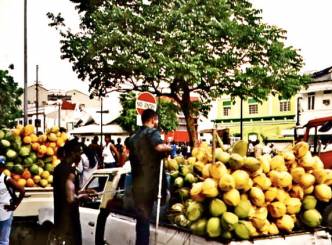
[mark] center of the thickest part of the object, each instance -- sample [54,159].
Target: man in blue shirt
[146,151]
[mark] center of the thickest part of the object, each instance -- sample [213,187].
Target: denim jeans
[143,214]
[5,226]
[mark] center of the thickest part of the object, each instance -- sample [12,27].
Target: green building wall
[267,124]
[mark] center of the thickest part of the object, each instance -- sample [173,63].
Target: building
[57,107]
[316,100]
[264,121]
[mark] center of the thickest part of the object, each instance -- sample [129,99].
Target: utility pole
[101,120]
[37,100]
[25,96]
[59,114]
[241,117]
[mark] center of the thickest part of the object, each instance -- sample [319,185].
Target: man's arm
[12,184]
[115,152]
[163,148]
[70,190]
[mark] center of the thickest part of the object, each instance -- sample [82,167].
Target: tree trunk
[191,128]
[187,110]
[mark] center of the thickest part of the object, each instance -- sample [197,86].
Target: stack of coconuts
[244,197]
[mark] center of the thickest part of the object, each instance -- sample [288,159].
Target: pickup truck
[109,218]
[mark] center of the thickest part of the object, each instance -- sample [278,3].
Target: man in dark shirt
[146,151]
[66,195]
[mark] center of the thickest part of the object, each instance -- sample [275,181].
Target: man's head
[107,138]
[118,140]
[150,118]
[95,140]
[70,152]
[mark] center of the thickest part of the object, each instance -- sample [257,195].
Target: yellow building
[264,120]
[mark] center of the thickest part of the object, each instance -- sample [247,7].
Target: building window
[326,102]
[311,101]
[226,107]
[253,109]
[285,105]
[226,111]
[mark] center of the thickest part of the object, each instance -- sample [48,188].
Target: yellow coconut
[271,194]
[323,192]
[226,183]
[307,180]
[277,209]
[262,181]
[232,197]
[257,196]
[241,179]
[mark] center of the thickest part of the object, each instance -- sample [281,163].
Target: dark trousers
[143,215]
[110,165]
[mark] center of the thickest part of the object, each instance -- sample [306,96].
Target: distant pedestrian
[184,150]
[8,202]
[110,153]
[258,148]
[87,165]
[173,150]
[97,149]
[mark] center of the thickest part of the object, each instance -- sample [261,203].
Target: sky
[307,23]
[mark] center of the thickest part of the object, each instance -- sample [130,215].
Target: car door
[89,210]
[120,224]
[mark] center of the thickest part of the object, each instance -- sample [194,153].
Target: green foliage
[167,114]
[168,119]
[175,48]
[9,100]
[127,119]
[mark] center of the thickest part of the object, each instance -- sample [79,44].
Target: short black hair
[148,114]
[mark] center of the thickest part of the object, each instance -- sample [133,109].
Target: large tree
[9,100]
[167,114]
[180,48]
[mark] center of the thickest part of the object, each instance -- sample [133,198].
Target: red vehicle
[318,135]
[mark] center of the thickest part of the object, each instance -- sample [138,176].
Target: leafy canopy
[9,100]
[177,48]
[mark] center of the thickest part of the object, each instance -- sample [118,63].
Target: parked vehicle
[320,142]
[110,217]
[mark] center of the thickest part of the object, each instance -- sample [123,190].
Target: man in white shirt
[110,153]
[8,202]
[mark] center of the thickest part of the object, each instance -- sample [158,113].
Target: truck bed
[172,235]
[34,199]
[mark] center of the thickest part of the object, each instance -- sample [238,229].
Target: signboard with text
[145,100]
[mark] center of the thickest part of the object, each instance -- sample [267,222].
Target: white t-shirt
[107,154]
[5,198]
[86,171]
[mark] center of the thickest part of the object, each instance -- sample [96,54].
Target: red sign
[145,100]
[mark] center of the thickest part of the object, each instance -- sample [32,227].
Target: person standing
[66,195]
[146,150]
[110,153]
[96,149]
[8,202]
[87,165]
